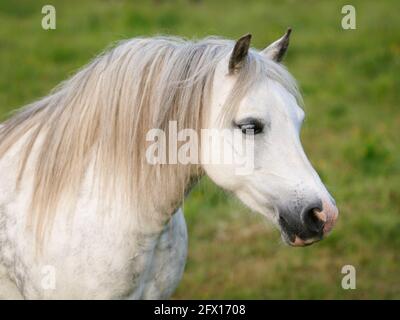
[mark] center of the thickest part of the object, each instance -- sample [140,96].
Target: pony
[83,215]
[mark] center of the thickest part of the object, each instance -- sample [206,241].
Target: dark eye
[250,126]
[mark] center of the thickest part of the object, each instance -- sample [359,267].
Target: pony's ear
[276,50]
[239,52]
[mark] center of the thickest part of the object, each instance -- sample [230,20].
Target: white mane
[102,114]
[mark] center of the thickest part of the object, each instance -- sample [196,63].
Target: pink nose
[323,220]
[330,214]
[309,225]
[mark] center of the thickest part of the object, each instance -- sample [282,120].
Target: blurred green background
[350,82]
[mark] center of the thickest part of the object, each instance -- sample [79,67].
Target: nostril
[314,219]
[320,215]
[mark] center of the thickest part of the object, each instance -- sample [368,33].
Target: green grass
[351,84]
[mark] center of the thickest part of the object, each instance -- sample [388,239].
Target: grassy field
[351,86]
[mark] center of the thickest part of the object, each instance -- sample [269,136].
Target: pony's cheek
[222,175]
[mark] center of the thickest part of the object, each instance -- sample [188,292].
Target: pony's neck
[169,191]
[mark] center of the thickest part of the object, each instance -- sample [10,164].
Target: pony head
[254,94]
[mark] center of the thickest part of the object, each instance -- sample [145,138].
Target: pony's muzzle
[310,225]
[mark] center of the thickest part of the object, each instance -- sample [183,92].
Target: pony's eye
[250,126]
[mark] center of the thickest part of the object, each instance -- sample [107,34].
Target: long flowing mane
[99,119]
